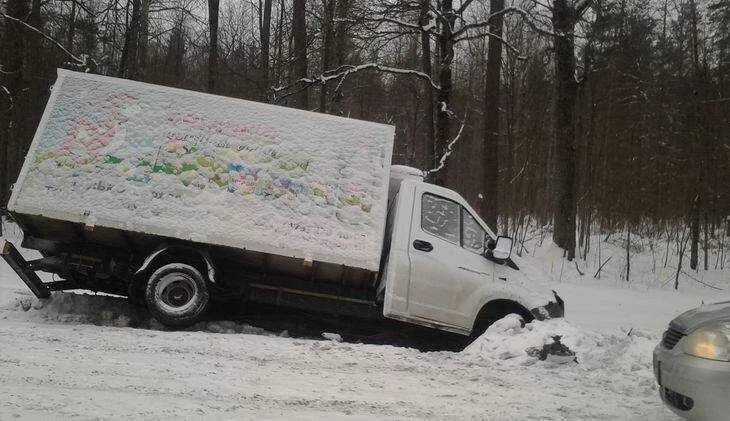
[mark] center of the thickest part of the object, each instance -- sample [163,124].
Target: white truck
[179,199]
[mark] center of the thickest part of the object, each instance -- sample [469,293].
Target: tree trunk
[265,31]
[694,227]
[443,97]
[490,201]
[280,44]
[680,256]
[704,244]
[173,67]
[697,132]
[327,41]
[299,35]
[341,48]
[213,48]
[128,63]
[11,78]
[71,28]
[429,147]
[628,253]
[563,18]
[140,72]
[34,89]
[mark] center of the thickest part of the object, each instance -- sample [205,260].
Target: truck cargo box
[136,157]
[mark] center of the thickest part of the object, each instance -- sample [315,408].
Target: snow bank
[653,262]
[165,161]
[334,337]
[106,310]
[621,361]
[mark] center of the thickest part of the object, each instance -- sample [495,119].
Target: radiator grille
[677,400]
[671,337]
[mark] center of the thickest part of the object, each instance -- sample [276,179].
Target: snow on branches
[79,61]
[341,73]
[449,150]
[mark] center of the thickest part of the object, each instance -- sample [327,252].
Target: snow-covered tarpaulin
[140,157]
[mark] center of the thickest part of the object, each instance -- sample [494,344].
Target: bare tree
[11,84]
[299,35]
[446,41]
[328,17]
[341,45]
[213,12]
[265,31]
[425,19]
[129,62]
[173,68]
[564,17]
[492,86]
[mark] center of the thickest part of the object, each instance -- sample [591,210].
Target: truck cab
[440,268]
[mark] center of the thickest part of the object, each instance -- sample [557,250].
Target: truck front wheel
[177,295]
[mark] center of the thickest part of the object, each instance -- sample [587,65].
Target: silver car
[692,363]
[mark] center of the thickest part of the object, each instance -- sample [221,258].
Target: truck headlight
[711,342]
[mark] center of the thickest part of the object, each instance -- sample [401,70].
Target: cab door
[447,267]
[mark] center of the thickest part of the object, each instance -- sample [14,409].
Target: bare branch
[464,5]
[507,10]
[447,153]
[497,37]
[344,71]
[10,97]
[582,7]
[384,19]
[78,60]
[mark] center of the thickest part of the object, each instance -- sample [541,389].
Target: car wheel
[177,295]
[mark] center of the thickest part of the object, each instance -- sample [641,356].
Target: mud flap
[16,261]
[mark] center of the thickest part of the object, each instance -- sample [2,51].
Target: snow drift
[165,161]
[107,310]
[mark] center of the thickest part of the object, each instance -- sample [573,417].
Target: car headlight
[711,342]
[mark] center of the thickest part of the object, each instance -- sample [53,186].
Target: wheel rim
[176,293]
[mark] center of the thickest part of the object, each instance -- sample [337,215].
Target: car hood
[702,316]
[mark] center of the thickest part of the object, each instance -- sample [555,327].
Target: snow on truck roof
[206,168]
[398,173]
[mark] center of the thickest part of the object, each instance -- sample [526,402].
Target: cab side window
[441,217]
[472,234]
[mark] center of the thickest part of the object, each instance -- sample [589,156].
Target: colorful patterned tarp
[165,161]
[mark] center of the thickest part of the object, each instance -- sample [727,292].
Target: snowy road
[65,358]
[85,370]
[53,365]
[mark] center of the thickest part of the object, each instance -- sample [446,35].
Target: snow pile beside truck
[139,157]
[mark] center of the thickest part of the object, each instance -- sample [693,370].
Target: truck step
[16,261]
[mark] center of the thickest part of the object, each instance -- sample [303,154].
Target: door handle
[422,245]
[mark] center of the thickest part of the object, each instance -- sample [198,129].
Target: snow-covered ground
[77,356]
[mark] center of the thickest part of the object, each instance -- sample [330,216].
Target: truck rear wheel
[177,295]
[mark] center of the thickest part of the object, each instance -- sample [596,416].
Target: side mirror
[503,248]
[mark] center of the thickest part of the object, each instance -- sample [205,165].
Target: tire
[486,322]
[177,295]
[488,318]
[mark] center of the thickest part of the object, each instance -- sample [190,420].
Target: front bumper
[551,310]
[692,387]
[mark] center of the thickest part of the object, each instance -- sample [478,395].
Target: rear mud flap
[16,261]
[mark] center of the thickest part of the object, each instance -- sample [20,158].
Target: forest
[583,116]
